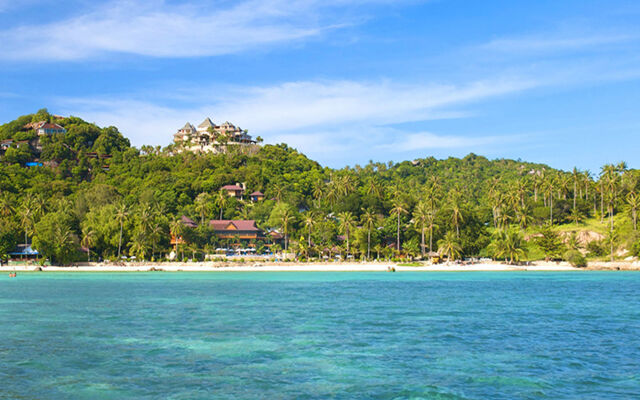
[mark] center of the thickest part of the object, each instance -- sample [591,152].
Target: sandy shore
[291,267]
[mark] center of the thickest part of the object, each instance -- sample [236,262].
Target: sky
[345,82]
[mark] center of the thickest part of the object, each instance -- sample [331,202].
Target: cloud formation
[324,119]
[159,29]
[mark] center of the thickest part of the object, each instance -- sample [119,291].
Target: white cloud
[159,29]
[544,43]
[323,119]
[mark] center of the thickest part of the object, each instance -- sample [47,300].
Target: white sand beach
[290,267]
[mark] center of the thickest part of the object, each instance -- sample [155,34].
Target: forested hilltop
[73,190]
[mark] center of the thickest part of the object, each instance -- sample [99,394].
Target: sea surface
[313,335]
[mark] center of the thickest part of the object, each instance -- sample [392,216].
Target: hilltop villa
[209,137]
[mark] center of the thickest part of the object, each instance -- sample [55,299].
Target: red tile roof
[232,187]
[188,222]
[257,193]
[52,126]
[240,225]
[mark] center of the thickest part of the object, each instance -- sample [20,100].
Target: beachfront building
[209,137]
[24,252]
[236,229]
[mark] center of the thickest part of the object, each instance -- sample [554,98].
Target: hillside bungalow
[234,190]
[256,196]
[50,129]
[241,229]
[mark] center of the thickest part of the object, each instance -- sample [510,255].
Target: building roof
[188,222]
[188,127]
[23,250]
[275,235]
[207,123]
[233,187]
[233,224]
[257,193]
[34,125]
[52,127]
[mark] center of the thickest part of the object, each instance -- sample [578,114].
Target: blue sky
[343,81]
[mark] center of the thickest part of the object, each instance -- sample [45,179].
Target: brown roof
[52,126]
[257,193]
[232,187]
[188,222]
[234,224]
[275,235]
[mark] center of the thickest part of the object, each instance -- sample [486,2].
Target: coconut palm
[398,209]
[634,203]
[203,205]
[27,221]
[221,200]
[122,213]
[456,213]
[88,239]
[368,220]
[509,244]
[139,246]
[347,221]
[6,208]
[309,221]
[154,234]
[450,246]
[177,230]
[420,218]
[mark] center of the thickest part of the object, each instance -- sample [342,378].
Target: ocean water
[508,335]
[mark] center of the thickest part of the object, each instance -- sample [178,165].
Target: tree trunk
[120,241]
[398,235]
[422,243]
[368,244]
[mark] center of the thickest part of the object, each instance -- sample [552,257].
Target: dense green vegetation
[128,201]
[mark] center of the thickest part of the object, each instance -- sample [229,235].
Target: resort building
[240,229]
[236,190]
[209,137]
[187,222]
[50,129]
[256,196]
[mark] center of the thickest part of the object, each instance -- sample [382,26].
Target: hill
[85,187]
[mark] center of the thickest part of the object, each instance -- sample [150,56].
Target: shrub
[575,258]
[596,248]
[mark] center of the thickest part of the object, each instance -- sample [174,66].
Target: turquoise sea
[506,335]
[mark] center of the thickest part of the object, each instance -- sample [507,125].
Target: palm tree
[27,221]
[368,220]
[346,224]
[6,208]
[221,200]
[121,216]
[576,175]
[139,245]
[509,244]
[286,218]
[203,205]
[450,246]
[398,209]
[309,221]
[634,203]
[523,217]
[456,213]
[420,218]
[154,234]
[88,239]
[378,248]
[177,230]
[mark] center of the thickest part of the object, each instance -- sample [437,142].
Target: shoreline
[290,267]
